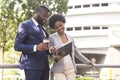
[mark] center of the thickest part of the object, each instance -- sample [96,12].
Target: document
[66,48]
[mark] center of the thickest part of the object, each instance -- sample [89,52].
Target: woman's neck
[63,37]
[61,34]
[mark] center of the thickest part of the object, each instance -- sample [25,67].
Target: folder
[66,48]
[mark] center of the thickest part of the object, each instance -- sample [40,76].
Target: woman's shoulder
[53,34]
[69,36]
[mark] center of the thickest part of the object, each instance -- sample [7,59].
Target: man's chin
[41,23]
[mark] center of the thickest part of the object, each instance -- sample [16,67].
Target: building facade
[95,27]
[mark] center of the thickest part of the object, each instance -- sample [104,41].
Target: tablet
[66,48]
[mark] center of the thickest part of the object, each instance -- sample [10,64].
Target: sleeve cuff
[34,49]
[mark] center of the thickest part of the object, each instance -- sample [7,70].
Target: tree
[9,20]
[56,6]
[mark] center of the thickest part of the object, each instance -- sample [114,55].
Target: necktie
[41,29]
[41,32]
[47,35]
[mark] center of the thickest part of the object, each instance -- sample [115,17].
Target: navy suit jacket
[27,36]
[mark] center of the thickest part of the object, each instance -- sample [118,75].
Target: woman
[63,67]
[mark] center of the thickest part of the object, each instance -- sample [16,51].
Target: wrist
[38,48]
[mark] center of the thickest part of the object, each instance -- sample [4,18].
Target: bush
[84,78]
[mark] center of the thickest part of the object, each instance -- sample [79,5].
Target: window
[104,4]
[78,28]
[86,28]
[70,7]
[96,27]
[95,5]
[78,6]
[70,29]
[104,27]
[86,5]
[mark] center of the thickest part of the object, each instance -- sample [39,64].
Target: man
[29,40]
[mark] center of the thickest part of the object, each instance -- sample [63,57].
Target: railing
[78,65]
[99,65]
[16,66]
[9,66]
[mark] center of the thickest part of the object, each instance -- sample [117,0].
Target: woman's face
[59,26]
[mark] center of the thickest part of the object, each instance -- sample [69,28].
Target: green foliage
[84,78]
[10,74]
[55,6]
[11,56]
[8,21]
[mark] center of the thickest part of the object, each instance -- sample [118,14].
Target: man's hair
[41,8]
[54,18]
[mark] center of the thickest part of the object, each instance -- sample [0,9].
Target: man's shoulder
[25,24]
[27,21]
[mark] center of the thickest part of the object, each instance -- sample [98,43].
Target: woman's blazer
[56,41]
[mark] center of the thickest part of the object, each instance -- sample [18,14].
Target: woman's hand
[59,56]
[53,50]
[92,64]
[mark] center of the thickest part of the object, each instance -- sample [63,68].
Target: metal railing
[100,65]
[9,66]
[16,66]
[78,65]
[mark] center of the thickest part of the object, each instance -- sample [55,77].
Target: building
[95,26]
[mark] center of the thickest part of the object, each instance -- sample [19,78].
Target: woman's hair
[54,18]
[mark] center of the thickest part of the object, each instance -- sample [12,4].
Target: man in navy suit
[29,40]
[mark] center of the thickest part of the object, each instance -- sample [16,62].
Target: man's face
[42,17]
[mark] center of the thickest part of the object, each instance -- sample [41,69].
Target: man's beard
[40,21]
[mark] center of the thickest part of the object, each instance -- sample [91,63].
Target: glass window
[95,5]
[78,6]
[86,28]
[86,5]
[104,4]
[78,28]
[69,29]
[96,27]
[70,7]
[104,27]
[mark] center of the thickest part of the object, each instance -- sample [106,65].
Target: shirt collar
[35,22]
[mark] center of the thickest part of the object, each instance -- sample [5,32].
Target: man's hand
[42,46]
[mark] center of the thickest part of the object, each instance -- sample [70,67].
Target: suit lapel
[35,30]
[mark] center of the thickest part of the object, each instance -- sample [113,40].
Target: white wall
[93,19]
[77,2]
